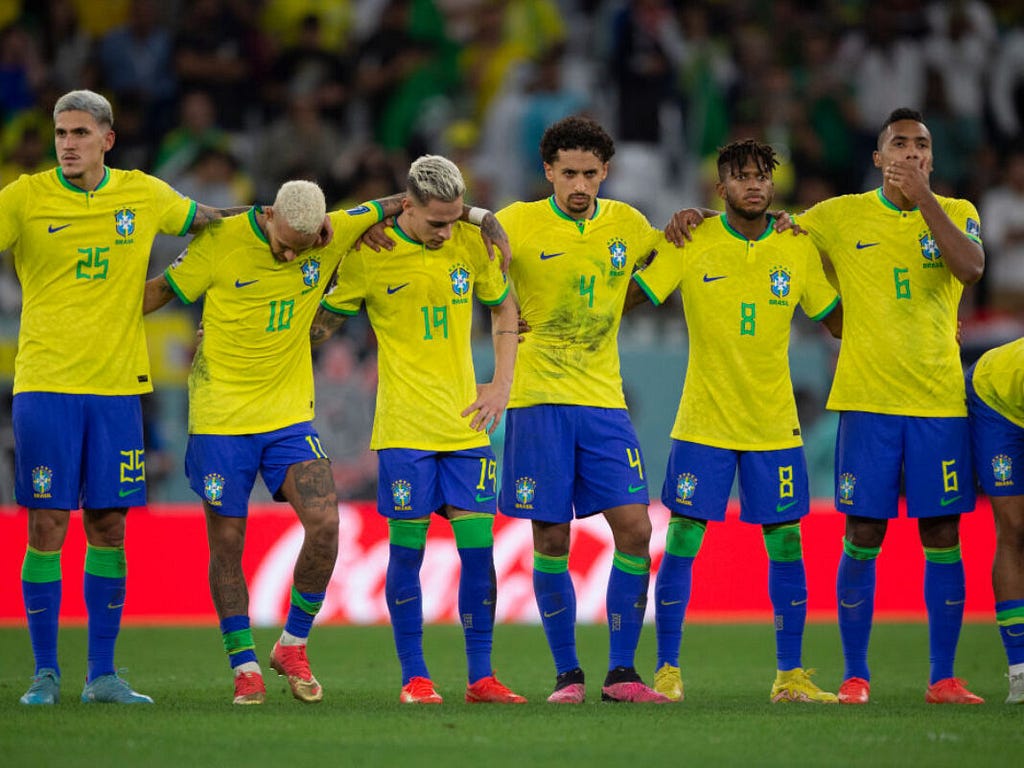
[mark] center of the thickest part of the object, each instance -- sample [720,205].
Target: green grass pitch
[725,720]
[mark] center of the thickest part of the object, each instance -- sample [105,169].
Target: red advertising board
[167,559]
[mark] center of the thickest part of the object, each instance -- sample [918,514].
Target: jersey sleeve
[177,212]
[12,203]
[349,225]
[816,220]
[664,274]
[349,290]
[965,216]
[191,274]
[819,297]
[491,285]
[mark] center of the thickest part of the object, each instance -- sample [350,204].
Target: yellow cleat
[796,685]
[668,682]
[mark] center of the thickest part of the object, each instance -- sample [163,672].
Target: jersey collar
[580,223]
[257,230]
[767,230]
[889,204]
[68,185]
[404,235]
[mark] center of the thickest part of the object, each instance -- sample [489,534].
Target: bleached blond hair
[86,101]
[301,204]
[432,177]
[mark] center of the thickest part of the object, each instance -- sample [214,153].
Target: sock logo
[845,604]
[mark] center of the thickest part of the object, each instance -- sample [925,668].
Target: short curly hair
[737,154]
[576,132]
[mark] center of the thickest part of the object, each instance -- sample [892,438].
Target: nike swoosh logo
[113,607]
[947,502]
[396,289]
[1010,632]
[546,256]
[861,246]
[51,229]
[240,284]
[635,488]
[954,603]
[122,494]
[549,614]
[481,499]
[783,507]
[709,279]
[490,602]
[845,604]
[405,600]
[671,602]
[798,603]
[32,612]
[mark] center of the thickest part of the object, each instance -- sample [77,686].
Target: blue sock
[944,593]
[236,635]
[787,588]
[477,592]
[1010,618]
[104,587]
[625,603]
[405,604]
[855,592]
[302,609]
[672,595]
[41,590]
[556,601]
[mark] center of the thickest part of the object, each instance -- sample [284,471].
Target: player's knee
[865,532]
[939,532]
[685,536]
[551,539]
[783,542]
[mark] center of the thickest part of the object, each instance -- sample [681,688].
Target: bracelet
[476,215]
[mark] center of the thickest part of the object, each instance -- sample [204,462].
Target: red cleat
[951,690]
[489,690]
[854,690]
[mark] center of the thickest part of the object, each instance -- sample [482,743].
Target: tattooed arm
[205,214]
[158,292]
[325,323]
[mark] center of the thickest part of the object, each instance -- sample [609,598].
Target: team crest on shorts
[847,481]
[310,273]
[929,249]
[780,279]
[526,491]
[42,482]
[213,488]
[617,249]
[1002,469]
[686,486]
[459,275]
[401,495]
[124,222]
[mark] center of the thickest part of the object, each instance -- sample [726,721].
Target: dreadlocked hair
[735,155]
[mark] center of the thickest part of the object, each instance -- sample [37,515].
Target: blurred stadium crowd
[226,99]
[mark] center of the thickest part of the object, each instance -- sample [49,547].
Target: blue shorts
[773,484]
[933,455]
[222,468]
[78,451]
[997,444]
[413,484]
[566,459]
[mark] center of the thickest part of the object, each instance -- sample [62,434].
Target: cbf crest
[42,482]
[779,282]
[847,482]
[929,250]
[213,488]
[459,276]
[617,250]
[310,273]
[401,495]
[124,223]
[1002,470]
[686,486]
[526,491]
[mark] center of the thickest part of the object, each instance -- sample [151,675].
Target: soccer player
[251,406]
[432,421]
[902,256]
[81,236]
[995,403]
[741,282]
[570,449]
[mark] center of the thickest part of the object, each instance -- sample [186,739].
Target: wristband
[476,215]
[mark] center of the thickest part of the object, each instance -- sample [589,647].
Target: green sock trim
[238,641]
[685,536]
[474,531]
[303,604]
[783,543]
[638,566]
[860,553]
[942,554]
[549,563]
[108,562]
[1010,616]
[40,567]
[411,534]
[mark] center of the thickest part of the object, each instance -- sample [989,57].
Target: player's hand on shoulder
[494,235]
[784,221]
[682,223]
[376,236]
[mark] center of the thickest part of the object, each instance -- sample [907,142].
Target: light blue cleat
[45,689]
[111,689]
